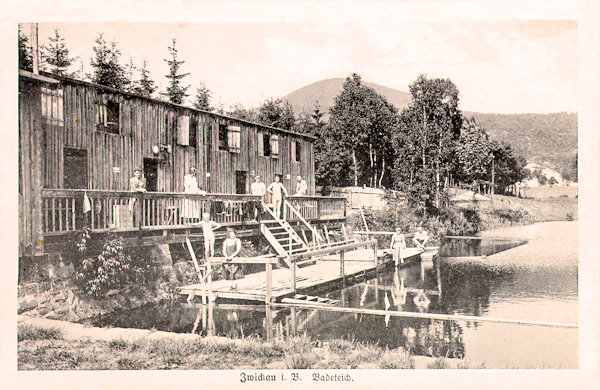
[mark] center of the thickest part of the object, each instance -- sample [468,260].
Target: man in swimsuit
[277,191]
[208,228]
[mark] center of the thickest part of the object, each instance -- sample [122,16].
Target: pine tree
[128,71]
[202,101]
[145,85]
[55,56]
[25,59]
[276,113]
[175,91]
[106,68]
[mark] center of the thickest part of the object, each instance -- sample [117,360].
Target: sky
[509,66]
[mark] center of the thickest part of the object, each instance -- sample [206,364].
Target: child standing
[208,228]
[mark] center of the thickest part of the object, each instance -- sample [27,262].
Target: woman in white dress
[191,207]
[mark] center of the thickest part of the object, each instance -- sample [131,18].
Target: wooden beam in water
[335,249]
[433,316]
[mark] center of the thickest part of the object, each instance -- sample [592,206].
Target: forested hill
[325,91]
[540,138]
[549,138]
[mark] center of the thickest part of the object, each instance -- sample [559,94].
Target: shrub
[396,360]
[300,361]
[32,332]
[112,268]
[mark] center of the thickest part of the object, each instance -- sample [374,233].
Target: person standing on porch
[301,186]
[136,184]
[258,188]
[278,192]
[191,207]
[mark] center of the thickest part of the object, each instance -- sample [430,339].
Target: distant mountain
[546,139]
[549,139]
[325,91]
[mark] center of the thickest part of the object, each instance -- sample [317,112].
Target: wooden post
[140,210]
[375,258]
[268,294]
[293,274]
[211,297]
[37,180]
[342,264]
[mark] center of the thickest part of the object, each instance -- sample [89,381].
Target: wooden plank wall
[31,141]
[145,123]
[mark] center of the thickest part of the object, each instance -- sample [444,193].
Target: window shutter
[275,145]
[260,146]
[183,130]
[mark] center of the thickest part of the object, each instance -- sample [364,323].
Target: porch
[147,218]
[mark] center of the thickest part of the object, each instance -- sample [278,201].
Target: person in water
[421,237]
[231,248]
[398,244]
[208,228]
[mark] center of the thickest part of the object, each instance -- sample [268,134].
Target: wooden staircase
[282,237]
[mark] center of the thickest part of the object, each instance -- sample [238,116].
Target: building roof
[52,78]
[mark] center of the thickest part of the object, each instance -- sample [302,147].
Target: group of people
[277,191]
[191,211]
[398,243]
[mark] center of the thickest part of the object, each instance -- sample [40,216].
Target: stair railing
[316,235]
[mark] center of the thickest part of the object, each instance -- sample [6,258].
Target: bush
[506,215]
[32,332]
[112,268]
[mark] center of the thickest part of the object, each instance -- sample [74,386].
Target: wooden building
[81,141]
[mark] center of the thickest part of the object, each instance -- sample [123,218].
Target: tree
[473,153]
[237,110]
[105,64]
[129,70]
[202,100]
[145,86]
[25,59]
[176,92]
[276,113]
[508,167]
[362,121]
[429,128]
[55,55]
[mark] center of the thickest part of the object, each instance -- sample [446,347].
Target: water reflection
[471,288]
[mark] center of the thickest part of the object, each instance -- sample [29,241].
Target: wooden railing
[63,210]
[317,207]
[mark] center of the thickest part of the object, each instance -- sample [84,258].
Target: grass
[45,349]
[31,332]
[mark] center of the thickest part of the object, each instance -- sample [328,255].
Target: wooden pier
[328,269]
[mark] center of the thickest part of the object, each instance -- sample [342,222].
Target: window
[75,168]
[264,144]
[274,146]
[229,138]
[233,138]
[298,152]
[223,137]
[193,132]
[108,116]
[52,104]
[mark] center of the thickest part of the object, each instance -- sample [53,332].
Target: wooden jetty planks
[253,287]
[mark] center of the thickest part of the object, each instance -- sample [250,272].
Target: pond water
[478,288]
